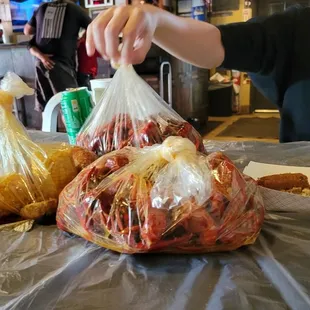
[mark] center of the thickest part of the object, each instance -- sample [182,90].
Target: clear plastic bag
[131,113]
[32,176]
[163,198]
[14,85]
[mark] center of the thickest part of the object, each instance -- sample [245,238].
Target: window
[280,6]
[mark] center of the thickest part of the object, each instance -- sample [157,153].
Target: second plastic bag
[31,176]
[165,198]
[131,113]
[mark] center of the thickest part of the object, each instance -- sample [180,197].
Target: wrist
[153,13]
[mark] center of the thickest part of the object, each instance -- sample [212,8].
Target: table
[48,269]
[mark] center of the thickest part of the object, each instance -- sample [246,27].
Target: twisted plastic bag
[131,113]
[165,198]
[31,177]
[15,86]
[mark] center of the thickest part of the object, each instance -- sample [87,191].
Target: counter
[48,269]
[13,45]
[16,58]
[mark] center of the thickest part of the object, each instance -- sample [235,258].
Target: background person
[87,65]
[55,26]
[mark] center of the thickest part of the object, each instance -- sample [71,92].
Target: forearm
[29,30]
[45,59]
[34,51]
[198,43]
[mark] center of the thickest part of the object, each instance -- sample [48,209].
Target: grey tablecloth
[47,269]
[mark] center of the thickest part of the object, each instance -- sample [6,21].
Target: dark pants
[51,82]
[84,80]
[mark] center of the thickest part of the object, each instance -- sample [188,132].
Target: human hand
[137,24]
[47,62]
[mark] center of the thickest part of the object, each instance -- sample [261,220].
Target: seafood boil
[164,198]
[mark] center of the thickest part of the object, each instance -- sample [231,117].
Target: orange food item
[284,181]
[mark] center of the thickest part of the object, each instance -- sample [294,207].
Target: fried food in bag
[131,113]
[18,185]
[32,177]
[163,198]
[64,162]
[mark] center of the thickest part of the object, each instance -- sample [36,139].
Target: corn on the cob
[14,193]
[4,213]
[62,169]
[36,193]
[37,209]
[6,100]
[82,157]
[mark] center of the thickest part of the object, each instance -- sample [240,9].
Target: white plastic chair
[52,108]
[50,114]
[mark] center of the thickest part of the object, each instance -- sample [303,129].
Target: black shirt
[276,50]
[62,49]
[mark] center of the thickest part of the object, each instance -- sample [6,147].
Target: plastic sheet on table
[47,269]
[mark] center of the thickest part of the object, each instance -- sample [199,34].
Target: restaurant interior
[196,101]
[163,186]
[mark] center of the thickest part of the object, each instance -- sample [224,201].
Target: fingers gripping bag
[131,113]
[162,198]
[30,175]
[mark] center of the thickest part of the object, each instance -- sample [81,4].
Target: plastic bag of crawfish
[31,176]
[163,198]
[131,113]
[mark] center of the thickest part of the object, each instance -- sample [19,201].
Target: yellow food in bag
[31,175]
